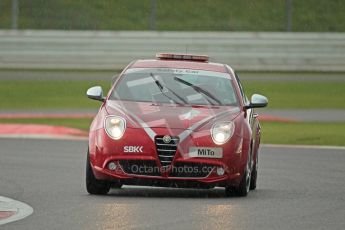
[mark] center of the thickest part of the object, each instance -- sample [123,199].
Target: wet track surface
[297,189]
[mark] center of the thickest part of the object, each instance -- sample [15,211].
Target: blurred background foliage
[176,15]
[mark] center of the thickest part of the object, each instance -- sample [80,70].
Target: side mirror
[257,101]
[95,93]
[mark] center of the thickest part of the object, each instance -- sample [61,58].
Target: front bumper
[146,168]
[148,174]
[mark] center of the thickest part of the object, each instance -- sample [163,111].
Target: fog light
[220,171]
[112,166]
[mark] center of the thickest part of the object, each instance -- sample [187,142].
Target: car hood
[144,114]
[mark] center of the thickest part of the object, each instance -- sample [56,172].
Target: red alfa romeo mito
[176,121]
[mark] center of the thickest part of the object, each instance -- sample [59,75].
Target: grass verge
[303,133]
[66,94]
[299,95]
[294,133]
[47,94]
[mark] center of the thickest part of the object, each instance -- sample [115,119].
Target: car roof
[180,64]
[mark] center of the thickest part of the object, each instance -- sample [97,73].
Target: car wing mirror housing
[95,93]
[257,101]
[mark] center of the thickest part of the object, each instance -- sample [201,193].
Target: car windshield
[177,86]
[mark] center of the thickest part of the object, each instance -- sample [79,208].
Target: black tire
[116,185]
[93,185]
[254,173]
[243,188]
[229,191]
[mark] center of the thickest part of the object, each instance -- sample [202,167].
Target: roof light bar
[186,57]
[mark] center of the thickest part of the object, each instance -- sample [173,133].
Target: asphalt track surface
[298,188]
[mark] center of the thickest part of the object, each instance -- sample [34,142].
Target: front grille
[166,151]
[193,170]
[140,167]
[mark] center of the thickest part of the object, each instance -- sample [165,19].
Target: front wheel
[93,185]
[243,188]
[254,173]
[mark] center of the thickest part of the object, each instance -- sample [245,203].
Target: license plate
[205,152]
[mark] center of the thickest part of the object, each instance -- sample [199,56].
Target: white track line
[21,209]
[304,146]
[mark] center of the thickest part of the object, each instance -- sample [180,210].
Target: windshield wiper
[161,87]
[200,90]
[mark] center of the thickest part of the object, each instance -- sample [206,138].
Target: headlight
[115,126]
[222,132]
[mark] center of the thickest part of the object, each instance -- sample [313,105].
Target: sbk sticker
[133,149]
[205,152]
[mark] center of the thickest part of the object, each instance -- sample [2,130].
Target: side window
[244,97]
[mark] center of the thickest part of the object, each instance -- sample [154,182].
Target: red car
[174,121]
